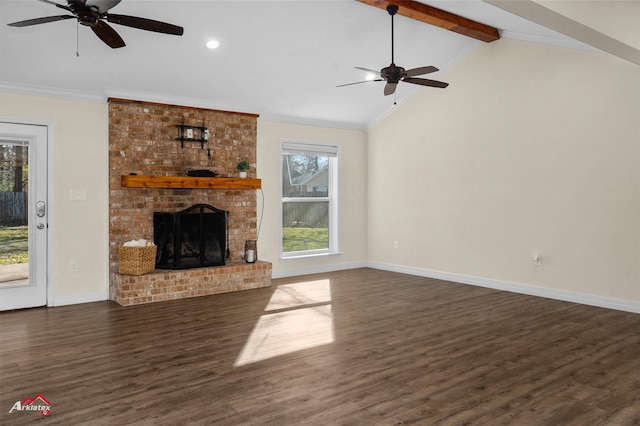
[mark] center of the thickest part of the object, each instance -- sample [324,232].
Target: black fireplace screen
[191,238]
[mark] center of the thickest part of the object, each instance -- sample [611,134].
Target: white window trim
[332,151]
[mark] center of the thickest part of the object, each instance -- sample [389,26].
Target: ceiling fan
[94,13]
[394,74]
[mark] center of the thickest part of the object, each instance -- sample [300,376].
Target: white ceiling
[280,59]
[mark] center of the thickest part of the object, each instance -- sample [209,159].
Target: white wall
[352,175]
[80,228]
[531,148]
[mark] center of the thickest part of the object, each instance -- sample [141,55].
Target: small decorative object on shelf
[202,173]
[251,251]
[188,133]
[242,167]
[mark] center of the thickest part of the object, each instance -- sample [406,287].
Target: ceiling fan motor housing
[392,73]
[87,17]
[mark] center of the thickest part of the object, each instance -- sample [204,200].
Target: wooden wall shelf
[188,182]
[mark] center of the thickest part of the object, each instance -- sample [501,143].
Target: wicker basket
[137,260]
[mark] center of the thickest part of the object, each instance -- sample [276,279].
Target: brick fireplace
[142,142]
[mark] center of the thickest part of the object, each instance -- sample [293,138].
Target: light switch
[77,194]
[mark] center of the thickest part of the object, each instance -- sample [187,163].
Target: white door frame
[49,203]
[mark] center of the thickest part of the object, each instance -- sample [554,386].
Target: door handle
[40,209]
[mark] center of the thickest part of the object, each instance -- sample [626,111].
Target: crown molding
[170,100]
[312,122]
[567,43]
[176,100]
[51,92]
[201,103]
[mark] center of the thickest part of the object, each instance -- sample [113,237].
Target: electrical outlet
[395,244]
[73,266]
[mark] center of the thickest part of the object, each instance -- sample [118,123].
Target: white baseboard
[79,298]
[549,293]
[564,295]
[318,269]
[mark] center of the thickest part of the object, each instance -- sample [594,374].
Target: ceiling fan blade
[359,82]
[108,35]
[103,5]
[390,88]
[368,70]
[145,24]
[44,20]
[61,6]
[420,71]
[426,82]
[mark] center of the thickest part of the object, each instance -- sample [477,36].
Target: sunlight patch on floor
[298,316]
[300,294]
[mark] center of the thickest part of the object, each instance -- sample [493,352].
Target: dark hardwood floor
[359,347]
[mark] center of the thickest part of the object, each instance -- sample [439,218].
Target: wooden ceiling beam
[440,18]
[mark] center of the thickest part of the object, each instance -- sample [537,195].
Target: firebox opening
[191,238]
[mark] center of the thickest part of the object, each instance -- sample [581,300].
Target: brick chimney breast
[142,140]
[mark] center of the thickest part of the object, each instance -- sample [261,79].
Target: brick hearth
[167,285]
[142,141]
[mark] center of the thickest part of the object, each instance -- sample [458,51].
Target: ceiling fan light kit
[394,74]
[94,14]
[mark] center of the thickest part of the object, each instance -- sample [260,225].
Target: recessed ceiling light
[370,77]
[213,44]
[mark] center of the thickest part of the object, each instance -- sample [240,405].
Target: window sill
[311,255]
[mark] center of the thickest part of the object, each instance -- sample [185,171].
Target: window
[309,199]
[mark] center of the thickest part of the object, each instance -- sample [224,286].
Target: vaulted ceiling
[280,59]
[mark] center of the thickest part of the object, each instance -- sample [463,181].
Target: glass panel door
[23,215]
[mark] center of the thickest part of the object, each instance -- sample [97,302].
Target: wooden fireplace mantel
[188,182]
